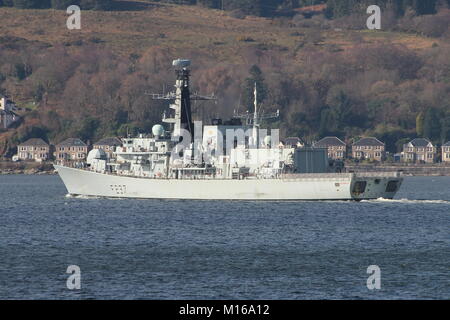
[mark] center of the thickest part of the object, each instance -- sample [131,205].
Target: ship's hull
[294,187]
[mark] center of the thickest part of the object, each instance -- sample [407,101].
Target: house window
[430,156]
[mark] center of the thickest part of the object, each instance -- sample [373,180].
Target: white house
[419,150]
[446,152]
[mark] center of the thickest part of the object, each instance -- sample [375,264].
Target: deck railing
[289,176]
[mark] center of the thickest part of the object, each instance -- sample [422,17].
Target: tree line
[57,4]
[268,8]
[340,8]
[335,8]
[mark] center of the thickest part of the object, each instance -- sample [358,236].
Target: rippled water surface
[158,249]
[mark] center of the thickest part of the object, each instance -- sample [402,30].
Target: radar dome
[95,154]
[267,141]
[181,63]
[158,130]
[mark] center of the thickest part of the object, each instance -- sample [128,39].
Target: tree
[328,123]
[26,4]
[432,125]
[63,4]
[419,124]
[103,4]
[87,128]
[253,7]
[340,8]
[445,130]
[248,97]
[341,103]
[399,144]
[215,4]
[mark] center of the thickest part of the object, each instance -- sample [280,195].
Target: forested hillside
[327,73]
[58,4]
[268,8]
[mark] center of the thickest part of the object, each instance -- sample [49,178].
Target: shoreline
[28,173]
[26,168]
[409,169]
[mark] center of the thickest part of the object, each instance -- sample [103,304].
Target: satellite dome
[158,130]
[181,63]
[267,141]
[95,154]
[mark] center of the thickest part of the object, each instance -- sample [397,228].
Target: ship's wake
[403,200]
[78,196]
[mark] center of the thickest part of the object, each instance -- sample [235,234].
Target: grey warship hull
[326,186]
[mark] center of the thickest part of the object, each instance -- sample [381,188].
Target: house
[293,142]
[446,152]
[369,148]
[72,149]
[419,150]
[7,114]
[108,145]
[337,149]
[33,149]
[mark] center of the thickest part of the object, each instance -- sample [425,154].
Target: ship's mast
[255,119]
[182,98]
[182,104]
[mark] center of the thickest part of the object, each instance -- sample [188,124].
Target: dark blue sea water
[155,249]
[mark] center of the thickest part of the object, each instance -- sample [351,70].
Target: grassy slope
[183,26]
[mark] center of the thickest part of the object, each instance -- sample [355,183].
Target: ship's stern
[367,186]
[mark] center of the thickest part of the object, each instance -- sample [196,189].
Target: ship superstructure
[232,159]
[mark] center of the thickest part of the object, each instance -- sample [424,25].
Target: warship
[224,160]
